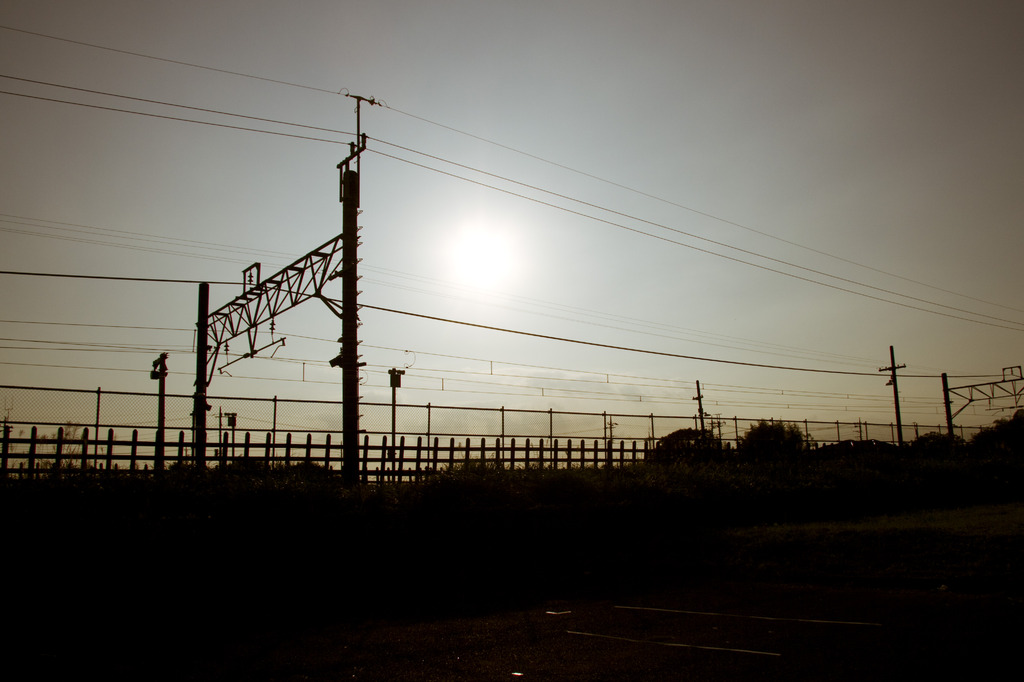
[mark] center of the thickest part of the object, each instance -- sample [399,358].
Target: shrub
[687,445]
[1004,436]
[936,445]
[772,440]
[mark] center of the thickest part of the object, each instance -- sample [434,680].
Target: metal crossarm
[1012,386]
[302,280]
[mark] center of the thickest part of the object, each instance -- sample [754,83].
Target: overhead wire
[703,250]
[272,80]
[113,278]
[170,61]
[608,222]
[684,233]
[344,91]
[695,211]
[130,235]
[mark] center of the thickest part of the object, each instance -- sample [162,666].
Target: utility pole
[396,383]
[700,409]
[947,404]
[263,299]
[349,356]
[199,404]
[895,392]
[160,374]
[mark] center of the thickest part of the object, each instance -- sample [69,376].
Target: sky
[759,196]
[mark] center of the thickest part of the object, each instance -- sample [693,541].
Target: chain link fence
[39,414]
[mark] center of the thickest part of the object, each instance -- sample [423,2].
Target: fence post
[181,446]
[98,393]
[32,452]
[6,449]
[273,424]
[309,447]
[110,448]
[85,450]
[327,452]
[246,444]
[135,449]
[364,467]
[58,450]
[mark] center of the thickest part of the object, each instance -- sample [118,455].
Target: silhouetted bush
[1004,436]
[772,440]
[687,445]
[937,445]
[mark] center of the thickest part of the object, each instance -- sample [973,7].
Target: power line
[703,250]
[608,222]
[171,118]
[344,91]
[171,61]
[128,234]
[693,210]
[172,104]
[615,347]
[113,278]
[688,234]
[101,326]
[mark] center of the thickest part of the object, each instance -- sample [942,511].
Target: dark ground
[913,597]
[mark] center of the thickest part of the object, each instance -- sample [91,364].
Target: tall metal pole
[349,326]
[895,392]
[199,405]
[946,402]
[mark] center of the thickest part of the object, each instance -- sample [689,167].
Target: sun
[482,257]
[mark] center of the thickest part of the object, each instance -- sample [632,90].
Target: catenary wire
[686,234]
[584,215]
[695,248]
[344,91]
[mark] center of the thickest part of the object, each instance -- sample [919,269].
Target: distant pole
[700,408]
[199,405]
[396,383]
[895,392]
[160,374]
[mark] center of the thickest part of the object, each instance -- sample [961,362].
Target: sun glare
[482,258]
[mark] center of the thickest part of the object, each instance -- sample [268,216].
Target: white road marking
[737,615]
[673,644]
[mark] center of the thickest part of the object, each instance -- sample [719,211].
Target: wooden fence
[38,456]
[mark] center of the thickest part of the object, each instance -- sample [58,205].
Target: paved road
[712,631]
